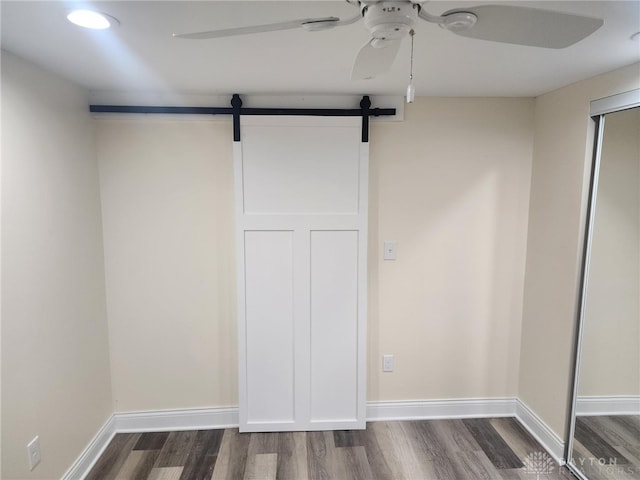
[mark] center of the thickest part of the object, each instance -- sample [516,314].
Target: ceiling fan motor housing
[389,20]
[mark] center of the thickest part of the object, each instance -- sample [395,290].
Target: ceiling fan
[389,21]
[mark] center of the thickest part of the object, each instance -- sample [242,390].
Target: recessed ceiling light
[91,19]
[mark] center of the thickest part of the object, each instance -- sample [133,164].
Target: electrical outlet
[387,363]
[33,450]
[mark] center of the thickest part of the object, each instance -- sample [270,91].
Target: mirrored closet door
[605,428]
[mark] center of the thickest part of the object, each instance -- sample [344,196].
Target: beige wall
[168,216]
[55,364]
[610,358]
[562,151]
[450,185]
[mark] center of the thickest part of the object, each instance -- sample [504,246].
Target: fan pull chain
[411,91]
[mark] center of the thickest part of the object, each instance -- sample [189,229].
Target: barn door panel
[301,216]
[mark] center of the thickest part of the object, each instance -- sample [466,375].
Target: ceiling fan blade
[527,26]
[310,23]
[374,58]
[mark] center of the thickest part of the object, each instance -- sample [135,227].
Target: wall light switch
[387,363]
[390,250]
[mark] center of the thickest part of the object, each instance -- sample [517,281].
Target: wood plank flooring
[608,447]
[473,449]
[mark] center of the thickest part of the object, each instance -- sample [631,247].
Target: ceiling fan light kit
[389,21]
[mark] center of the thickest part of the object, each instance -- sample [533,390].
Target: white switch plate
[33,450]
[387,363]
[390,250]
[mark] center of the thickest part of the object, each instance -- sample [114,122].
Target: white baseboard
[152,421]
[433,409]
[92,452]
[610,405]
[204,418]
[551,442]
[171,420]
[194,419]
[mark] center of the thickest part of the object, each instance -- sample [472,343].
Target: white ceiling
[142,56]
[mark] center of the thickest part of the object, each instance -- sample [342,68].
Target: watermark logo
[609,467]
[539,463]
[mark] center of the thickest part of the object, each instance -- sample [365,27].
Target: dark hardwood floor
[473,449]
[608,447]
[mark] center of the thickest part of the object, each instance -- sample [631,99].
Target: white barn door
[301,187]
